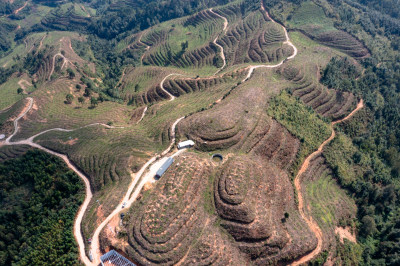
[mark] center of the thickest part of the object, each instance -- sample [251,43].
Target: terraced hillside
[328,204]
[185,43]
[327,102]
[253,38]
[312,21]
[231,79]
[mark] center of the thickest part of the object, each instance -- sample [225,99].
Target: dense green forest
[375,134]
[39,198]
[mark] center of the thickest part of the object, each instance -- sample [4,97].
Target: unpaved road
[129,199]
[65,62]
[95,246]
[288,42]
[215,41]
[21,84]
[172,97]
[309,220]
[88,192]
[19,9]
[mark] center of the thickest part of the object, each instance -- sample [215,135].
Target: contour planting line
[127,199]
[288,42]
[147,48]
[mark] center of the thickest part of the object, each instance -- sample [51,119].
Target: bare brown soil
[345,233]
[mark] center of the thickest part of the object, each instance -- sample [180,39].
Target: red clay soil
[311,223]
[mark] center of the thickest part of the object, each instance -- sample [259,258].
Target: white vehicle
[123,204]
[185,144]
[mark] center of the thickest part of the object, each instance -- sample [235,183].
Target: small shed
[185,144]
[164,167]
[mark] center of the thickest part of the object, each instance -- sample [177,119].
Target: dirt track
[309,220]
[95,247]
[88,192]
[215,41]
[65,62]
[252,68]
[19,9]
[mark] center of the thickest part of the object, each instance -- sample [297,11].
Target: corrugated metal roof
[186,143]
[114,258]
[165,166]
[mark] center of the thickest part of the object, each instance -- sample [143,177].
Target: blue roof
[114,258]
[165,166]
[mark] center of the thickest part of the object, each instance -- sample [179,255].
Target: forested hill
[39,198]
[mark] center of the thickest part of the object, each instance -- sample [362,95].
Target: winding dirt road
[288,42]
[128,199]
[65,62]
[297,182]
[172,97]
[215,41]
[19,9]
[130,196]
[88,193]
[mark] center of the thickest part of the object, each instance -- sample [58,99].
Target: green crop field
[313,16]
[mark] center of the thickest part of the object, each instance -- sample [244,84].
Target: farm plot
[166,223]
[7,117]
[105,155]
[326,102]
[159,117]
[327,203]
[300,121]
[141,85]
[311,20]
[8,93]
[227,124]
[254,39]
[66,16]
[251,197]
[12,152]
[184,43]
[50,111]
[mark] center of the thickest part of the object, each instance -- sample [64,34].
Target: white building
[185,144]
